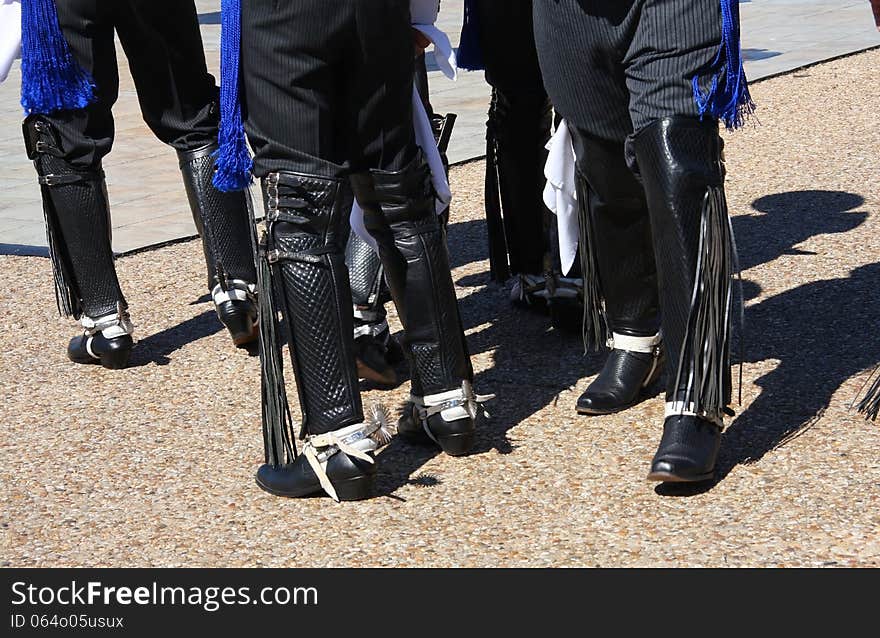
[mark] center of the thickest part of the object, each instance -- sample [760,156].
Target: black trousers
[328,85]
[518,130]
[162,42]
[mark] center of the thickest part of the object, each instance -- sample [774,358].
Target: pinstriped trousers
[612,67]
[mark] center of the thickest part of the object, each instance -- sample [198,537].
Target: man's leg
[393,185]
[679,159]
[616,251]
[292,56]
[518,128]
[178,98]
[67,148]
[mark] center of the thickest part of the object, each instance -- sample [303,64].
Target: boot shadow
[156,348]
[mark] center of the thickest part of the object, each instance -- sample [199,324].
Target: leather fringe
[66,298]
[594,329]
[499,268]
[704,363]
[279,444]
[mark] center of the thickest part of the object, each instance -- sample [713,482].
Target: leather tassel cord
[595,330]
[870,403]
[277,421]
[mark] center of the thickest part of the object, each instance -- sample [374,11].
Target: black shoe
[529,292]
[448,419]
[376,353]
[237,310]
[107,340]
[111,353]
[345,459]
[622,382]
[455,438]
[687,452]
[352,478]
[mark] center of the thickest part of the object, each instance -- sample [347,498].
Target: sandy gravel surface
[153,466]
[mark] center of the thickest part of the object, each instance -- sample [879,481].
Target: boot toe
[679,470]
[598,403]
[687,452]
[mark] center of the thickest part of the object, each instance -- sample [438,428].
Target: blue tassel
[51,79]
[470,55]
[727,98]
[232,158]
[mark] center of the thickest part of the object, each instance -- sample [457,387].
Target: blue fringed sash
[470,55]
[233,160]
[727,98]
[51,79]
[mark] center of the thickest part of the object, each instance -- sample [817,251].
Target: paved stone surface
[778,35]
[153,466]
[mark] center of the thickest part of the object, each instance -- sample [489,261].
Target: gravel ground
[153,466]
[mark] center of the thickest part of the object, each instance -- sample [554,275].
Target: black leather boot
[224,226]
[303,275]
[399,211]
[687,452]
[341,464]
[680,163]
[376,351]
[106,340]
[633,364]
[77,214]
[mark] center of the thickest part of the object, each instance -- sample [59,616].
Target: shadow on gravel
[822,333]
[813,330]
[156,348]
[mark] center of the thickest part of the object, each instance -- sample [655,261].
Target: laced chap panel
[305,259]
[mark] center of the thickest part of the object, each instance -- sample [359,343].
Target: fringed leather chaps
[516,136]
[680,163]
[303,277]
[616,248]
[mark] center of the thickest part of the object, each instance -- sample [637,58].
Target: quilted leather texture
[623,243]
[78,223]
[221,219]
[364,272]
[317,307]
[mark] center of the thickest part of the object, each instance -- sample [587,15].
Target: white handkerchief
[425,139]
[560,193]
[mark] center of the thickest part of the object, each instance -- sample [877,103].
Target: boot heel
[239,321]
[358,488]
[457,444]
[116,359]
